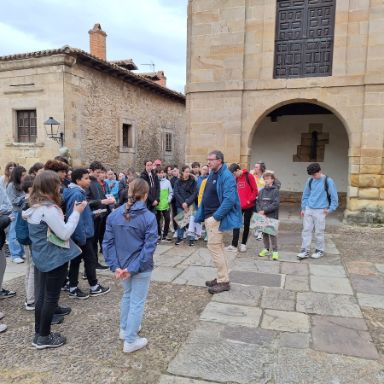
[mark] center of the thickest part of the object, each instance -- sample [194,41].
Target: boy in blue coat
[83,235]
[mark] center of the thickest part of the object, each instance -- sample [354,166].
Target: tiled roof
[110,68]
[127,64]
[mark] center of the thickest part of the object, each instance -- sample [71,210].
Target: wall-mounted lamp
[53,132]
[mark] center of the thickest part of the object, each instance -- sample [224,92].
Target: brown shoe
[211,283]
[219,287]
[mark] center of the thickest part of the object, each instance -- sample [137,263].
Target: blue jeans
[15,249]
[132,304]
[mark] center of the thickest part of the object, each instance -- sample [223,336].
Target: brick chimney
[162,79]
[97,42]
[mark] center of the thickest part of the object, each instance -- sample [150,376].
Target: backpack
[325,187]
[22,231]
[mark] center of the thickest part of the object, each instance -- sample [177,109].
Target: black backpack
[325,187]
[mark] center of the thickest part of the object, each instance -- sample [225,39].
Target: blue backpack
[22,231]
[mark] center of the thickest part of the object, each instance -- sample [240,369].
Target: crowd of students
[72,215]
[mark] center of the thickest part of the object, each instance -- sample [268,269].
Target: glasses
[212,159]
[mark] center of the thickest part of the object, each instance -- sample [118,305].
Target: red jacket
[247,190]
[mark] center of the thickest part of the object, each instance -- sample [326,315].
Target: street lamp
[54,133]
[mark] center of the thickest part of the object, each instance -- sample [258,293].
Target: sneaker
[303,254]
[5,294]
[65,288]
[99,290]
[29,307]
[243,248]
[57,319]
[264,252]
[63,311]
[178,241]
[167,239]
[275,255]
[317,254]
[139,343]
[3,328]
[175,235]
[122,333]
[77,293]
[84,276]
[18,260]
[191,243]
[101,266]
[259,236]
[211,283]
[219,287]
[53,340]
[230,248]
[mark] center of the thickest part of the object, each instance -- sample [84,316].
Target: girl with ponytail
[129,244]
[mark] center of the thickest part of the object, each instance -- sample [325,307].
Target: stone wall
[230,86]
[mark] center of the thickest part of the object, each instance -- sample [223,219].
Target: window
[26,126]
[168,142]
[304,38]
[127,136]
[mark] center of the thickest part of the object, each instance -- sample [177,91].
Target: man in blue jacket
[83,237]
[318,200]
[220,210]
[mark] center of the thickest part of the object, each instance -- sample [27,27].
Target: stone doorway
[291,136]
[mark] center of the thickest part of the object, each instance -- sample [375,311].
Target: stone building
[290,82]
[106,111]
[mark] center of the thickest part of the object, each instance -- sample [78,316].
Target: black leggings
[49,287]
[247,221]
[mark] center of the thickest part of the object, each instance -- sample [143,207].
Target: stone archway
[290,135]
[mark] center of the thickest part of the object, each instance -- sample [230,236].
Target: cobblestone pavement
[314,321]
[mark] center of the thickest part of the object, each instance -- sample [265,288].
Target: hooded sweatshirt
[269,201]
[130,244]
[166,195]
[85,227]
[247,190]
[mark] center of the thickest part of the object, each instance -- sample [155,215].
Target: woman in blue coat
[129,244]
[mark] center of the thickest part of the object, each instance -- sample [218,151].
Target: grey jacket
[5,205]
[268,201]
[15,197]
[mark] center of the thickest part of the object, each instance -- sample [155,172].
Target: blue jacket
[315,195]
[85,228]
[130,244]
[229,212]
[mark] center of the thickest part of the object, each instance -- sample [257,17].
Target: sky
[147,31]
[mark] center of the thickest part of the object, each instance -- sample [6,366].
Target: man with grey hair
[220,210]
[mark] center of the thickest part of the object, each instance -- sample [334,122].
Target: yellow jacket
[201,191]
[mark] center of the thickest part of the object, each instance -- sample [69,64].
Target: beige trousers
[215,245]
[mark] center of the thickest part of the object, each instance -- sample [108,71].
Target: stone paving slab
[165,274]
[240,294]
[367,284]
[207,356]
[294,340]
[231,314]
[325,260]
[255,278]
[195,275]
[262,337]
[306,366]
[296,283]
[285,321]
[288,256]
[361,268]
[380,267]
[337,285]
[165,260]
[166,379]
[328,304]
[201,257]
[181,250]
[161,248]
[296,269]
[373,301]
[327,270]
[254,265]
[277,298]
[342,336]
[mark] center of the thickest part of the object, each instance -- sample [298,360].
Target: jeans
[180,231]
[247,221]
[313,219]
[49,287]
[132,304]
[89,265]
[14,246]
[167,219]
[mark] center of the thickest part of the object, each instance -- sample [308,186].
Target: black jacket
[268,201]
[185,191]
[154,192]
[95,194]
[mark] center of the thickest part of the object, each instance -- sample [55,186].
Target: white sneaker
[3,328]
[18,260]
[317,254]
[139,343]
[122,333]
[243,248]
[231,248]
[303,254]
[259,236]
